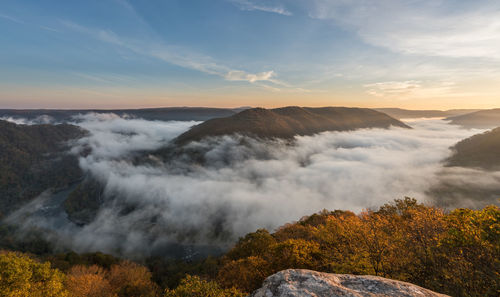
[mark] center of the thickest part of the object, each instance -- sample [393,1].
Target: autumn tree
[22,276]
[471,248]
[193,286]
[130,279]
[88,281]
[246,274]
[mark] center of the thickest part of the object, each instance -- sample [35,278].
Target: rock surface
[304,283]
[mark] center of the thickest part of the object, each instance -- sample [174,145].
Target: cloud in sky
[256,48]
[177,55]
[412,89]
[10,18]
[241,75]
[446,28]
[265,6]
[392,88]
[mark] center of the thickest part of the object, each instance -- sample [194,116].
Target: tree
[22,276]
[130,279]
[246,274]
[295,253]
[193,286]
[253,244]
[471,247]
[83,281]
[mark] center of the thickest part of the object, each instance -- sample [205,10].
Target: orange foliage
[131,279]
[83,281]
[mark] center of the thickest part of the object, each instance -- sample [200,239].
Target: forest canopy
[456,253]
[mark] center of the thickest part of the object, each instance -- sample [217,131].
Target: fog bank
[246,183]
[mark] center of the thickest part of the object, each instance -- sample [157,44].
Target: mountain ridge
[159,114]
[400,113]
[488,118]
[290,121]
[478,151]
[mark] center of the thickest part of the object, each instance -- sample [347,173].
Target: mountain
[159,114]
[477,155]
[480,119]
[478,151]
[287,122]
[32,160]
[303,282]
[399,113]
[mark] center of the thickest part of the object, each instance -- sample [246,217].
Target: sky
[415,54]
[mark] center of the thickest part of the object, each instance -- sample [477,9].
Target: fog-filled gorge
[244,184]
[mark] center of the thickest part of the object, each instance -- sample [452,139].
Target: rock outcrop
[304,283]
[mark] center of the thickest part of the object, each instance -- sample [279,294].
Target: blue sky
[126,53]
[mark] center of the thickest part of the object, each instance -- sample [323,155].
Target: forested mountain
[399,113]
[288,122]
[159,114]
[489,118]
[480,151]
[32,159]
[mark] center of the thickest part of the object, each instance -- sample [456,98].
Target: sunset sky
[415,54]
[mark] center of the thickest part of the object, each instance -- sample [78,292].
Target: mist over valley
[140,192]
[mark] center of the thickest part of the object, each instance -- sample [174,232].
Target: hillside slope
[158,114]
[481,151]
[288,122]
[31,161]
[480,119]
[399,113]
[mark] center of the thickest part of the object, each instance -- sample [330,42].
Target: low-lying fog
[243,187]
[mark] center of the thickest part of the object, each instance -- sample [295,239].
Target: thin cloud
[405,26]
[250,5]
[178,55]
[12,19]
[381,89]
[412,89]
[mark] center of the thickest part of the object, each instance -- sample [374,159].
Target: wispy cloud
[432,28]
[237,75]
[413,89]
[10,18]
[398,88]
[251,5]
[179,56]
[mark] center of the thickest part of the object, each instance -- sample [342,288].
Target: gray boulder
[304,283]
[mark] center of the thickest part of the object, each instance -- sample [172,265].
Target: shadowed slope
[152,114]
[32,160]
[399,113]
[481,119]
[480,151]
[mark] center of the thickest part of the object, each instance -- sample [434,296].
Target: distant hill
[160,114]
[31,161]
[480,119]
[399,113]
[288,122]
[478,151]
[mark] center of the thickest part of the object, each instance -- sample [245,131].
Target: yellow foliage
[22,276]
[193,286]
